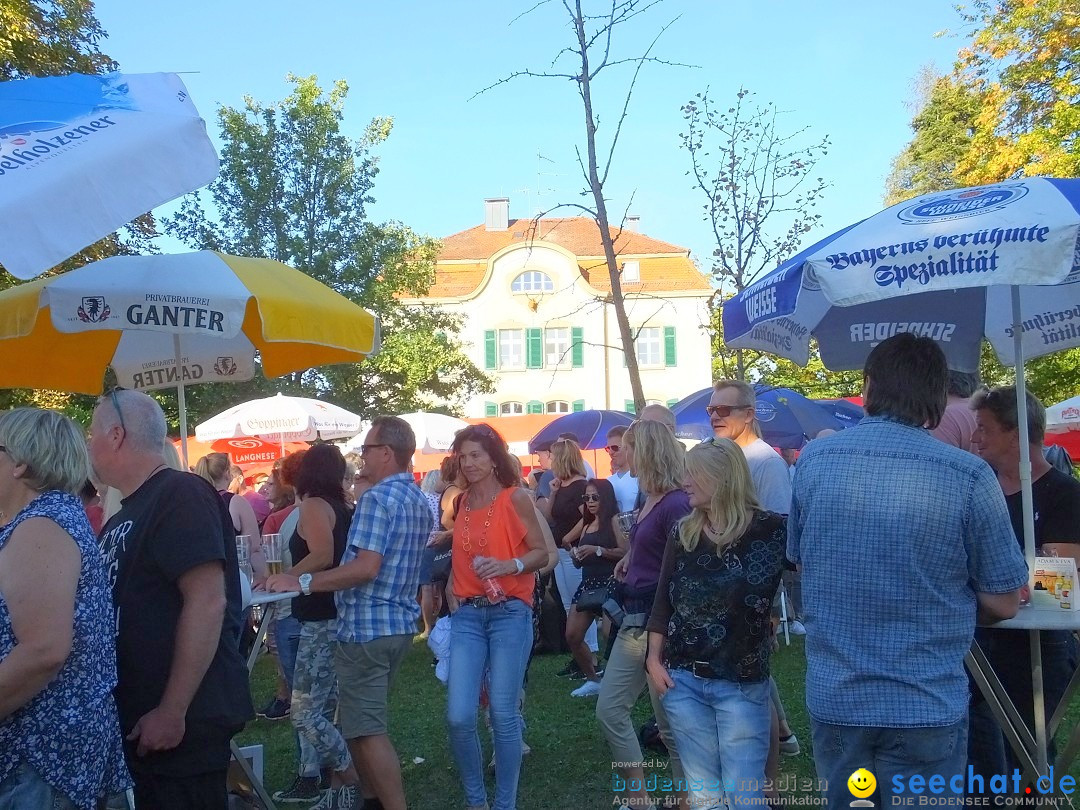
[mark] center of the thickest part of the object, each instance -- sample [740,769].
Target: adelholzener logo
[93,309]
[962,203]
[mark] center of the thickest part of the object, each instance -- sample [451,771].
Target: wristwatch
[599,551]
[305,584]
[519,565]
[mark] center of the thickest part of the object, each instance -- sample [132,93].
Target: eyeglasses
[613,448]
[725,410]
[365,447]
[591,498]
[116,404]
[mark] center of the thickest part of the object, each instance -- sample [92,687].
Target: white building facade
[535,297]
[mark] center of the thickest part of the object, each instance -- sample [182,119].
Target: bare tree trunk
[597,188]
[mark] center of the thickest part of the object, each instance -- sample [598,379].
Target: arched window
[558,406]
[511,409]
[532,281]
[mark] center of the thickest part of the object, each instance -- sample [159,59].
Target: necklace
[466,529]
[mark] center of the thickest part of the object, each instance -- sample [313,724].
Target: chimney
[497,214]
[633,223]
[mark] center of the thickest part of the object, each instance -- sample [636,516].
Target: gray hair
[398,434]
[658,413]
[963,384]
[140,415]
[747,397]
[51,445]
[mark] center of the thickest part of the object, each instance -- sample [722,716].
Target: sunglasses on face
[591,498]
[613,448]
[722,411]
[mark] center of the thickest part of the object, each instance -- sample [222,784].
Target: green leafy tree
[759,197]
[294,188]
[50,38]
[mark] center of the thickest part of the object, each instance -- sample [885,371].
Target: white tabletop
[1032,618]
[265,598]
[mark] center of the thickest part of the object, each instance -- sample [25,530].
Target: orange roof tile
[664,267]
[579,235]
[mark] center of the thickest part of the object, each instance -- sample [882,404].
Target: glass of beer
[243,555]
[272,552]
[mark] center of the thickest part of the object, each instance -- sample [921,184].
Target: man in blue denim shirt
[901,540]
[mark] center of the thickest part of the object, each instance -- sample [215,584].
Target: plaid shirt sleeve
[996,562]
[370,529]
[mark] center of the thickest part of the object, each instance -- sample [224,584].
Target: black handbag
[591,600]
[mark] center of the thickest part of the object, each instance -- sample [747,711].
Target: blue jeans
[722,731]
[496,639]
[24,789]
[839,751]
[287,639]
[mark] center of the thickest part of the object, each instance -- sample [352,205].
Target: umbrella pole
[181,402]
[1028,509]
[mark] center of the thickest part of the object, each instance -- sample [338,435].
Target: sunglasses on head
[725,410]
[111,394]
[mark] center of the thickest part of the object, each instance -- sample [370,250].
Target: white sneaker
[789,745]
[797,628]
[587,689]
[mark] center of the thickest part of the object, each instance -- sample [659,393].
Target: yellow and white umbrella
[168,320]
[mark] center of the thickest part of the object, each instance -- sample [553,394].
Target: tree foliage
[1010,105]
[759,194]
[294,188]
[50,38]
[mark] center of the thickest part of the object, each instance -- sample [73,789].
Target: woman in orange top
[498,544]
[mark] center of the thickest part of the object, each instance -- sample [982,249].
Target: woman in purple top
[657,460]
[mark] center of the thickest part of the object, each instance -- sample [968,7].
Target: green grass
[570,765]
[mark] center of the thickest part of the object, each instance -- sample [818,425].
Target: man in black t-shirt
[171,557]
[1056,502]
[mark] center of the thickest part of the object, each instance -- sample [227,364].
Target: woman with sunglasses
[598,545]
[658,460]
[497,547]
[710,633]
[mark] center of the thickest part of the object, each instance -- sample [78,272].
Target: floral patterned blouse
[714,608]
[69,732]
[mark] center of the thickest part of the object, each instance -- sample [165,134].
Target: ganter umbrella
[171,320]
[81,156]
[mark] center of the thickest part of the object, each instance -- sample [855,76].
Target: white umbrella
[997,261]
[81,156]
[281,418]
[434,431]
[1063,417]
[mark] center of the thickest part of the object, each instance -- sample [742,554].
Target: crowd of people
[121,660]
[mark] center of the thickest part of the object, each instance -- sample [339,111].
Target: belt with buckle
[700,669]
[478,601]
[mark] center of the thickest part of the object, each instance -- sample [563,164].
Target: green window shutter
[671,403]
[630,407]
[578,405]
[491,409]
[491,350]
[577,346]
[669,346]
[534,407]
[534,348]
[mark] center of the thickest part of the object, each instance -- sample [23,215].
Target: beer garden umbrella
[998,262]
[170,320]
[81,156]
[282,418]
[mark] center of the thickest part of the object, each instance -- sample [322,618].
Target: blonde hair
[566,460]
[659,458]
[51,445]
[213,467]
[720,466]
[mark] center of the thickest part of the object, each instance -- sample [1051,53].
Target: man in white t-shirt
[624,484]
[731,413]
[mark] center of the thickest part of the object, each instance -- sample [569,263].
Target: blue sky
[842,69]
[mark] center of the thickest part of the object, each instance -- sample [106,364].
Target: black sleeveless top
[594,567]
[320,607]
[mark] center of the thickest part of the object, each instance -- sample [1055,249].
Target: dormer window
[532,281]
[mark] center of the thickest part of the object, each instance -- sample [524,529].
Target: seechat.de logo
[961,204]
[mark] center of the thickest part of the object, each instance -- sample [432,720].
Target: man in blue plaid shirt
[375,589]
[902,540]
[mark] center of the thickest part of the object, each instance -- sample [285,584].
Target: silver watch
[305,584]
[519,565]
[599,552]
